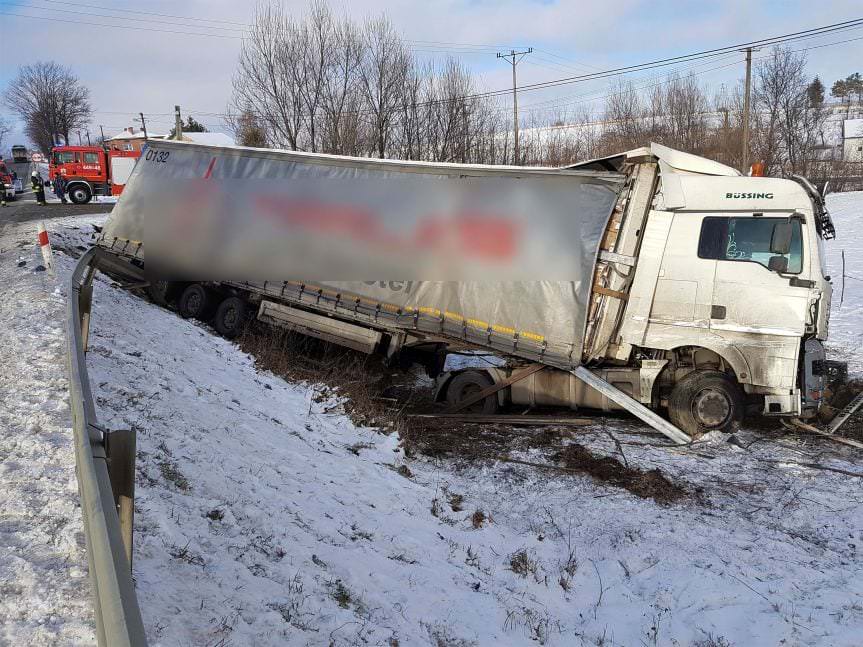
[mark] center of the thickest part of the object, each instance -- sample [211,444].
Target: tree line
[324,83]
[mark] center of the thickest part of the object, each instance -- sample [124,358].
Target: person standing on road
[38,187]
[60,187]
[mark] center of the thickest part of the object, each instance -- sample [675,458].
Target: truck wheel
[469,383]
[230,317]
[161,292]
[195,302]
[80,194]
[706,401]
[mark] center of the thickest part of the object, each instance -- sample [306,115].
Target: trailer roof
[404,166]
[676,161]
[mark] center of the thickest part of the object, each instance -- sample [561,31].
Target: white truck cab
[718,273]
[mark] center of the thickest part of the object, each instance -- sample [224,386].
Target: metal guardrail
[105,466]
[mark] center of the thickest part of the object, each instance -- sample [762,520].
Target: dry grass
[522,564]
[375,395]
[651,484]
[477,519]
[378,395]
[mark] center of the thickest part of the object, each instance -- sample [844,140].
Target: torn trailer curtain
[501,256]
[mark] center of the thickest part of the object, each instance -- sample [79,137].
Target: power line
[102,15]
[421,45]
[96,24]
[705,54]
[146,13]
[775,40]
[565,101]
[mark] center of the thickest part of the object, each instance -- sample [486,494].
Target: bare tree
[342,101]
[624,116]
[4,130]
[382,79]
[50,100]
[787,127]
[677,114]
[264,82]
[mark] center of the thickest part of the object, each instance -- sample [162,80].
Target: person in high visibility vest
[38,185]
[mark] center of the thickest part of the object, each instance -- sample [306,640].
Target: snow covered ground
[846,316]
[265,517]
[44,590]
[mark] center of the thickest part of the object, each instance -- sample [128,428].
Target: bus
[19,153]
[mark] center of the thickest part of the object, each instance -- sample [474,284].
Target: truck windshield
[748,239]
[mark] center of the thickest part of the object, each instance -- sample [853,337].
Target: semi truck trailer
[697,293]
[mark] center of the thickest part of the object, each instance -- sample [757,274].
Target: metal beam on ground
[634,407]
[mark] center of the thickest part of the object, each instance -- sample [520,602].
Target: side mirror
[778,264]
[780,242]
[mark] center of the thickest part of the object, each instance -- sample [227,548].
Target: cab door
[92,166]
[759,288]
[684,285]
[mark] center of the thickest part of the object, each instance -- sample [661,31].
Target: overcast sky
[143,68]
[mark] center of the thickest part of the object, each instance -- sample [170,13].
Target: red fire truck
[92,170]
[7,184]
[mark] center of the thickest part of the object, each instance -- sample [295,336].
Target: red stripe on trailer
[210,169]
[43,238]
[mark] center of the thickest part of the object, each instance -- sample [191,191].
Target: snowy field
[265,517]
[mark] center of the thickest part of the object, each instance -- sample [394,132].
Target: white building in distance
[852,136]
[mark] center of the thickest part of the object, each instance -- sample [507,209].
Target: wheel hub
[711,408]
[194,302]
[231,317]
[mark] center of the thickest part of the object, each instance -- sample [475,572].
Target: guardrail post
[85,300]
[120,452]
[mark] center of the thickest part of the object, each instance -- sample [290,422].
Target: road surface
[24,208]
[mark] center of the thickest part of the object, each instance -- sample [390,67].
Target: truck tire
[80,194]
[196,302]
[230,317]
[161,292]
[706,401]
[469,383]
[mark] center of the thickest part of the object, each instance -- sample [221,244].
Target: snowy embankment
[846,316]
[44,590]
[265,517]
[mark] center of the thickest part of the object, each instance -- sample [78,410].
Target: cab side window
[91,158]
[748,239]
[65,157]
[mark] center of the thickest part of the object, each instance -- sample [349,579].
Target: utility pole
[178,125]
[745,143]
[79,138]
[88,138]
[143,125]
[514,58]
[102,130]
